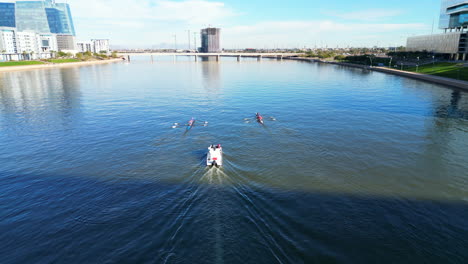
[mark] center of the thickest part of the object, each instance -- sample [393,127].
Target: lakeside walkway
[55,65]
[413,75]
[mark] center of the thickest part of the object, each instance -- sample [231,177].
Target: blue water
[351,166]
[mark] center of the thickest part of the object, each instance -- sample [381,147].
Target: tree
[62,54]
[340,57]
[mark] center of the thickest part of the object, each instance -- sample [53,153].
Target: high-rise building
[7,15]
[453,14]
[210,40]
[60,19]
[31,16]
[44,16]
[454,42]
[35,27]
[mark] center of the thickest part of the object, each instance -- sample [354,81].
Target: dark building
[210,40]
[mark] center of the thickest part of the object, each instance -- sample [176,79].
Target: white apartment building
[48,43]
[27,42]
[100,45]
[94,46]
[7,41]
[84,46]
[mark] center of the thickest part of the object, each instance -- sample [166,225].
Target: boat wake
[214,175]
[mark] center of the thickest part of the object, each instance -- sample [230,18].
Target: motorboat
[214,156]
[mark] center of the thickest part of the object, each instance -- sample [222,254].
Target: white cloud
[188,11]
[145,23]
[366,15]
[321,33]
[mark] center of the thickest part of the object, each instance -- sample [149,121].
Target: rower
[259,117]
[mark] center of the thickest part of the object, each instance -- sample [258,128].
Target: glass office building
[60,19]
[31,16]
[7,15]
[453,14]
[39,16]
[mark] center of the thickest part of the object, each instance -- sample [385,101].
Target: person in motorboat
[214,156]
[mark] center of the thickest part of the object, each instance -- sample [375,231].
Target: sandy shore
[55,65]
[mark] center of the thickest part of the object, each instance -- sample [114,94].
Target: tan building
[452,43]
[66,42]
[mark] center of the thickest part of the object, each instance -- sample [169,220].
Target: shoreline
[55,65]
[413,75]
[453,83]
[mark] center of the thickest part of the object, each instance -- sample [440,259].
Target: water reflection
[40,96]
[457,108]
[211,71]
[211,76]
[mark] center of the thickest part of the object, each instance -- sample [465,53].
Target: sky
[255,23]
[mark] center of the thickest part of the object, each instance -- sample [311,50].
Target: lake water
[358,167]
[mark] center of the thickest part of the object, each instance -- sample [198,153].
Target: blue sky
[256,23]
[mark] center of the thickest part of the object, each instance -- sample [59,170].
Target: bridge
[259,56]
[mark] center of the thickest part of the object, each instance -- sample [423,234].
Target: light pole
[417,65]
[370,58]
[195,40]
[188,31]
[175,43]
[433,61]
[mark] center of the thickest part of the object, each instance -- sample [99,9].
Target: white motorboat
[214,156]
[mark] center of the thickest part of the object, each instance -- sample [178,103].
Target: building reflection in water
[39,97]
[457,108]
[211,70]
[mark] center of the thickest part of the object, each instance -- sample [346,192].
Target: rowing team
[192,121]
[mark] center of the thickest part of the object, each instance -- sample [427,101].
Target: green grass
[443,69]
[63,60]
[19,63]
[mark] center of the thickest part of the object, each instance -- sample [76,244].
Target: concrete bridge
[259,56]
